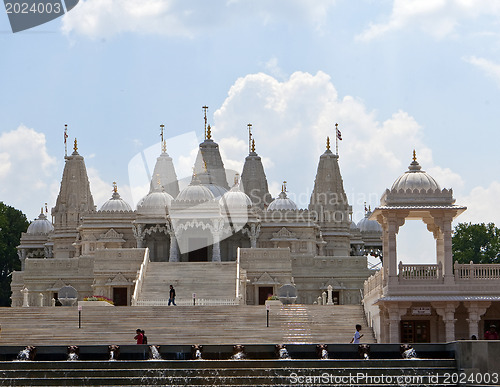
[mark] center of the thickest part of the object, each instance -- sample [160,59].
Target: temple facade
[217,242]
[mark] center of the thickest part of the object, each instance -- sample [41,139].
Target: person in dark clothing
[139,336]
[171,297]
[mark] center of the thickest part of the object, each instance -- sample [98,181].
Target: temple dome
[415,178]
[354,226]
[367,225]
[195,192]
[282,202]
[41,225]
[235,199]
[156,202]
[115,204]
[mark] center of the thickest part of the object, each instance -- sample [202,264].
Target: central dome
[415,178]
[156,202]
[41,225]
[116,203]
[282,202]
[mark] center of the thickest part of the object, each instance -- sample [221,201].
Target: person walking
[357,335]
[491,334]
[171,296]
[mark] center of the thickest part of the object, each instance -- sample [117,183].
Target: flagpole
[337,139]
[65,142]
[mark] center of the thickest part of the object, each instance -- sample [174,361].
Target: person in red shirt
[139,336]
[491,334]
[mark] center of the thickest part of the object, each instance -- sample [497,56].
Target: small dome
[216,190]
[155,203]
[41,225]
[354,226]
[116,203]
[282,203]
[415,178]
[235,200]
[195,192]
[367,225]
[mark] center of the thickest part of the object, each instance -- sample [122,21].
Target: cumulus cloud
[27,170]
[481,205]
[439,18]
[104,18]
[291,120]
[490,68]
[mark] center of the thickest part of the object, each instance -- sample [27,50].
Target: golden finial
[253,145]
[328,143]
[249,137]
[283,187]
[205,165]
[75,148]
[205,111]
[46,209]
[194,172]
[115,187]
[414,155]
[209,132]
[65,138]
[158,180]
[163,142]
[236,178]
[41,211]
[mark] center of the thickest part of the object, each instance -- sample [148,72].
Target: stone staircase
[243,324]
[211,281]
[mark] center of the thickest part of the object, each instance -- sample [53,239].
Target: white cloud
[103,18]
[482,205]
[291,120]
[27,171]
[490,68]
[438,18]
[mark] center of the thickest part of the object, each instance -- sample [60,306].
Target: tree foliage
[12,223]
[479,243]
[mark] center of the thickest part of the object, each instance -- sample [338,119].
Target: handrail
[140,278]
[473,271]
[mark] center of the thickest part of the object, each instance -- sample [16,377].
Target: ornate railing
[420,272]
[471,271]
[374,282]
[189,302]
[140,278]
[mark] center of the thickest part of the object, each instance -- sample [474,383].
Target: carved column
[395,312]
[174,255]
[446,310]
[476,309]
[22,257]
[139,235]
[254,234]
[449,277]
[330,297]
[25,293]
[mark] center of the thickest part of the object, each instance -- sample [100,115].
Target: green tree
[12,223]
[479,243]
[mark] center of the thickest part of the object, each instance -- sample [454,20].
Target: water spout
[154,352]
[239,352]
[114,352]
[27,353]
[282,352]
[73,352]
[408,352]
[196,352]
[364,351]
[322,350]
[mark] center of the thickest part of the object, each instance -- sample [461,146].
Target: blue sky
[396,75]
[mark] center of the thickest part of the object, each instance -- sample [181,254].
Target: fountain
[408,352]
[27,353]
[239,352]
[196,352]
[73,352]
[68,296]
[322,350]
[287,294]
[282,352]
[114,352]
[364,351]
[154,352]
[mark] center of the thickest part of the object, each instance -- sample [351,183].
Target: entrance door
[120,296]
[336,297]
[417,331]
[264,293]
[200,255]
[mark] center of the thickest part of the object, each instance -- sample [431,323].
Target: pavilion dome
[367,225]
[116,203]
[414,179]
[41,225]
[155,203]
[282,202]
[354,226]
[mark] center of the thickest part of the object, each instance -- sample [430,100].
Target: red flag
[339,135]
